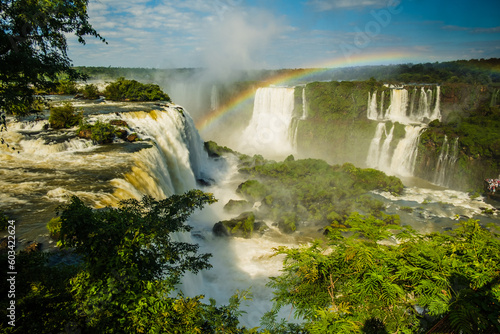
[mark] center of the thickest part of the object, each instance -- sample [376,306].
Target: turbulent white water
[270,129]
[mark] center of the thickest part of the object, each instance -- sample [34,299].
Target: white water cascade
[405,154]
[402,107]
[175,162]
[372,106]
[271,130]
[446,161]
[400,158]
[304,104]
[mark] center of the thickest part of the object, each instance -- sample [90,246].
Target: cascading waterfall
[436,114]
[397,109]
[404,109]
[175,161]
[372,106]
[271,130]
[385,158]
[405,154]
[446,162]
[304,104]
[382,99]
[374,150]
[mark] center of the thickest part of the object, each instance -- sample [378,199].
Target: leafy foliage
[90,92]
[359,284]
[64,117]
[54,228]
[132,90]
[100,132]
[33,48]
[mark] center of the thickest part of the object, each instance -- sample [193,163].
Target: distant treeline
[474,71]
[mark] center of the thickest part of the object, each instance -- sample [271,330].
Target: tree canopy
[33,47]
[357,284]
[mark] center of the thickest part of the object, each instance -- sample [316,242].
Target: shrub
[132,90]
[54,227]
[103,133]
[66,87]
[64,116]
[90,92]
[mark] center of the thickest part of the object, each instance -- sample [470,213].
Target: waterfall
[374,150]
[304,104]
[175,161]
[436,114]
[405,154]
[404,109]
[372,106]
[397,109]
[214,98]
[382,97]
[412,100]
[271,130]
[446,162]
[385,157]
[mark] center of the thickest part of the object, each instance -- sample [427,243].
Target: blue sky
[236,34]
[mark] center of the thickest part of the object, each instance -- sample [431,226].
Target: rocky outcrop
[242,226]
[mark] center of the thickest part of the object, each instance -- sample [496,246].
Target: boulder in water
[242,226]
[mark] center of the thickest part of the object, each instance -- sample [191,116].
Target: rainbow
[281,79]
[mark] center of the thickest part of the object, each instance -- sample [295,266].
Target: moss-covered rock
[242,226]
[253,190]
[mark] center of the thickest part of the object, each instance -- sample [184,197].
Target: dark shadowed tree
[33,47]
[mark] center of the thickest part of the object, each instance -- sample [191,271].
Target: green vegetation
[476,130]
[34,48]
[295,191]
[215,150]
[90,92]
[353,284]
[241,226]
[132,90]
[474,71]
[64,117]
[54,228]
[124,281]
[100,132]
[66,87]
[334,100]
